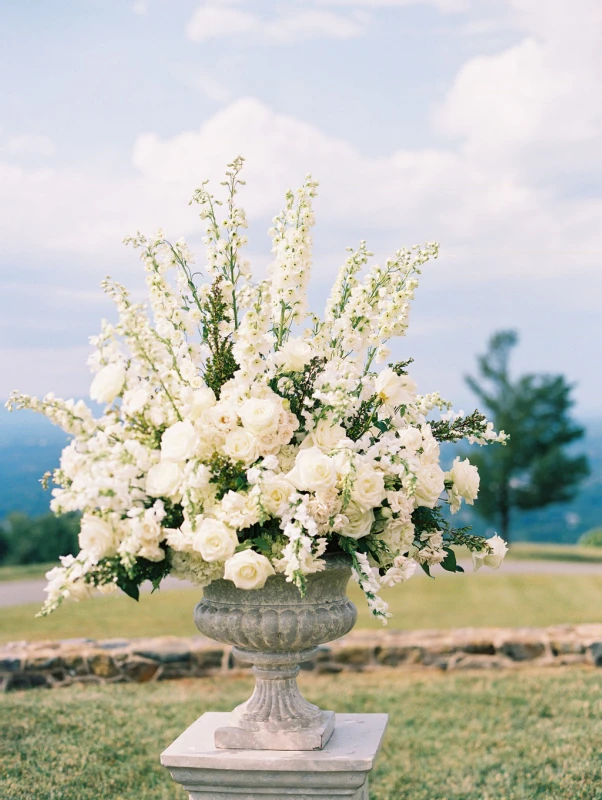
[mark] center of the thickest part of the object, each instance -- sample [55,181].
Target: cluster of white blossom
[231,448]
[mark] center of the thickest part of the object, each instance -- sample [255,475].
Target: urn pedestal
[275,629]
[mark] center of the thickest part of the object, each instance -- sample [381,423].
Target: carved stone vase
[276,629]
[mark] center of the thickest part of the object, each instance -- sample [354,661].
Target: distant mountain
[30,445]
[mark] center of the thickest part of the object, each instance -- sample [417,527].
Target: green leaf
[449,562]
[427,569]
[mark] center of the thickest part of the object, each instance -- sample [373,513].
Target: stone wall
[24,665]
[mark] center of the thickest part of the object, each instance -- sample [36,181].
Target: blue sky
[473,122]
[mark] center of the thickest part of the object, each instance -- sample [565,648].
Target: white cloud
[30,144]
[447,6]
[212,21]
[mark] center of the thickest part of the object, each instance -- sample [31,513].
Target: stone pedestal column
[339,770]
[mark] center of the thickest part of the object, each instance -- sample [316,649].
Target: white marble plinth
[340,770]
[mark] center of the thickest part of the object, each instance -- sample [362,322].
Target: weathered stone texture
[25,665]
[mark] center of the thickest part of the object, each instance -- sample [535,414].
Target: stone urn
[276,629]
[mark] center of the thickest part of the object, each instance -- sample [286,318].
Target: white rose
[240,445]
[260,415]
[163,480]
[313,470]
[410,438]
[465,477]
[368,488]
[202,399]
[214,540]
[359,522]
[108,383]
[325,435]
[294,354]
[394,390]
[431,482]
[248,570]
[179,442]
[96,537]
[494,559]
[275,494]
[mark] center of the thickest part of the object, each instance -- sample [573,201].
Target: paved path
[14,593]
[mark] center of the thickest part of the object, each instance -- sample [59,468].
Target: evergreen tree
[534,469]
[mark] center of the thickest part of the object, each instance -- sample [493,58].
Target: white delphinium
[290,270]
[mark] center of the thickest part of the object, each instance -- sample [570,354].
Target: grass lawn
[476,736]
[449,601]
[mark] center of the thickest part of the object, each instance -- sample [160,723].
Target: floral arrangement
[230,447]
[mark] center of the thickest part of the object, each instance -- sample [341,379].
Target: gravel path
[14,593]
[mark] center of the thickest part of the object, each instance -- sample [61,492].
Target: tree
[533,469]
[24,540]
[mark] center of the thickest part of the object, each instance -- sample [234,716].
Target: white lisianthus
[260,415]
[164,479]
[410,438]
[493,560]
[108,383]
[275,494]
[294,354]
[248,570]
[326,435]
[96,537]
[240,445]
[368,488]
[313,470]
[465,477]
[431,482]
[134,400]
[202,399]
[359,522]
[214,540]
[394,390]
[179,442]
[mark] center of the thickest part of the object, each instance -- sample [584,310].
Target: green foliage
[43,539]
[592,538]
[534,469]
[301,386]
[221,365]
[227,475]
[446,431]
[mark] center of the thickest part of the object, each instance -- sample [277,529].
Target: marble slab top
[353,746]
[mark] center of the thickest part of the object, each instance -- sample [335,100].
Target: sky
[475,123]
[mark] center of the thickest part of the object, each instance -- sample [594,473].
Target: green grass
[24,572]
[449,601]
[555,552]
[505,736]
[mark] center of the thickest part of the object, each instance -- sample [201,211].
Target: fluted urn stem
[276,703]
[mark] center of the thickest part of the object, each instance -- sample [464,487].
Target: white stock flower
[294,354]
[275,494]
[499,548]
[431,482]
[179,442]
[394,390]
[240,445]
[248,570]
[214,540]
[465,477]
[260,415]
[313,470]
[108,383]
[164,479]
[359,522]
[368,488]
[96,537]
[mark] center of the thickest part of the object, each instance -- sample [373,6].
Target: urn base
[233,737]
